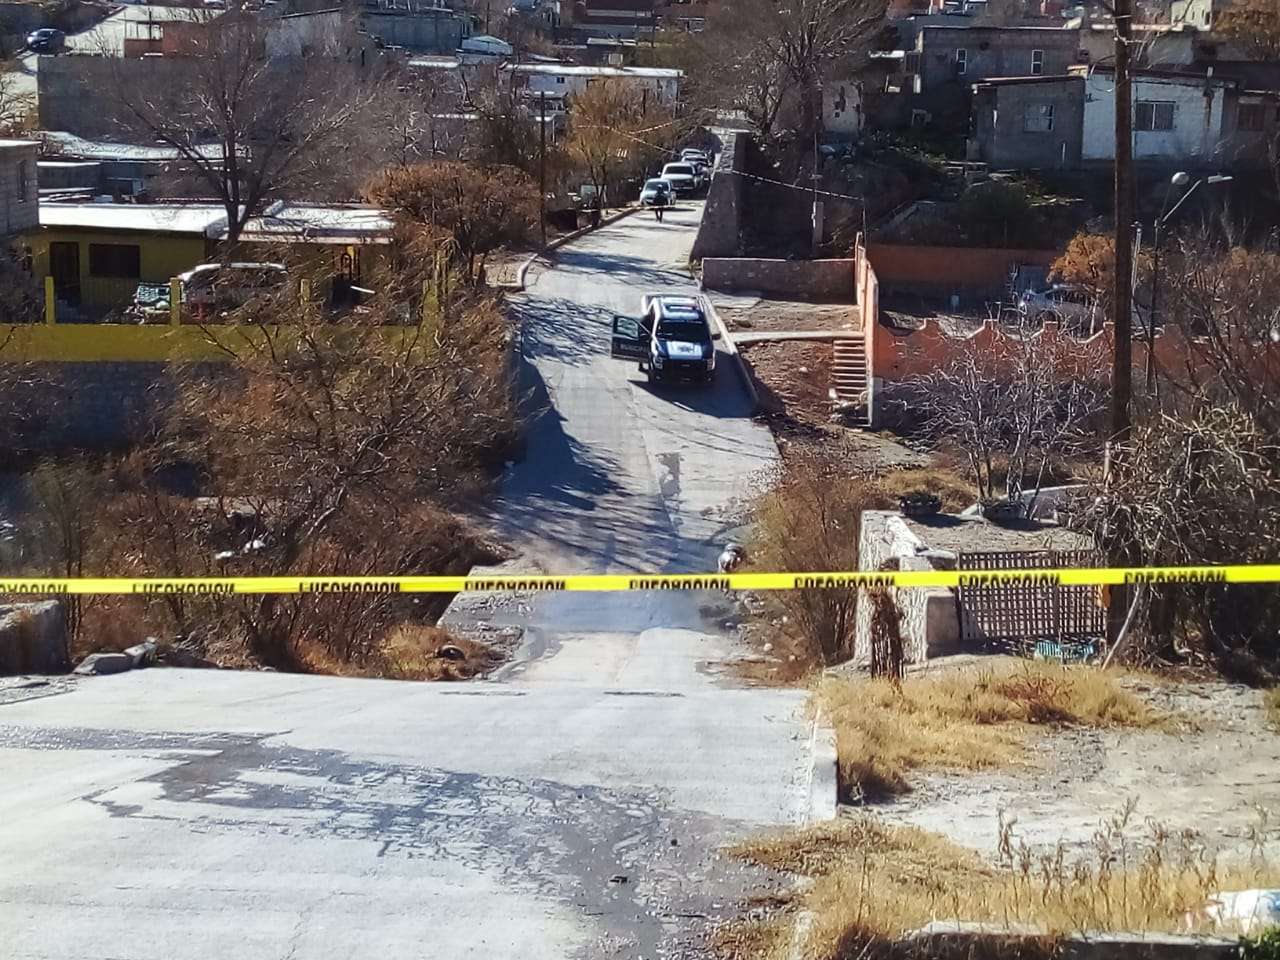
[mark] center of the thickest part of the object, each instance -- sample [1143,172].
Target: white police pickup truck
[672,339]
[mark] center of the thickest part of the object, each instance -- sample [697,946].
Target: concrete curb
[823,789]
[731,347]
[557,244]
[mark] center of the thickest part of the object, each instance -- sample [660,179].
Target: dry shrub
[1271,704]
[111,625]
[943,479]
[810,522]
[412,652]
[871,883]
[970,720]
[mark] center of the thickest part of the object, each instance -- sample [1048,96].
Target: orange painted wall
[949,268]
[894,355]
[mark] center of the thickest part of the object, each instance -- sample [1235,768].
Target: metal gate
[1016,617]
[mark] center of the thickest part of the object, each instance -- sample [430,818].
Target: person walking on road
[657,212]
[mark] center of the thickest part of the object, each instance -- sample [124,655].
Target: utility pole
[542,163]
[1122,293]
[1119,547]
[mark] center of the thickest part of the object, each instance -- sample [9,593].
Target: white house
[1175,116]
[561,80]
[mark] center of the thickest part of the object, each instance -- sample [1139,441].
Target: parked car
[1071,305]
[672,339]
[699,156]
[46,40]
[657,193]
[683,177]
[225,286]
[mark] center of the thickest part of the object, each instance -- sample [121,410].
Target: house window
[1153,115]
[962,62]
[24,173]
[1037,62]
[1251,117]
[119,260]
[1038,118]
[559,79]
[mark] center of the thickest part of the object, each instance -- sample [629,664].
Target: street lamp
[1179,179]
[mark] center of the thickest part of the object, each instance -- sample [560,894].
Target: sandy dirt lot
[1218,777]
[777,315]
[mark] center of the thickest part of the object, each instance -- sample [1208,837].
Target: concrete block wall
[830,280]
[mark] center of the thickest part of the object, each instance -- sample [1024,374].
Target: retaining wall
[720,231]
[831,280]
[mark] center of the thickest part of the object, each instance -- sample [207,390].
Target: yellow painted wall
[160,256]
[83,342]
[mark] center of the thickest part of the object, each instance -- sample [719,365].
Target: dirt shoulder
[766,316]
[1213,774]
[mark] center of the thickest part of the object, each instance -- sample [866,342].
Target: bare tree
[1015,410]
[602,131]
[16,106]
[1199,482]
[253,121]
[810,522]
[803,42]
[326,451]
[481,208]
[1253,26]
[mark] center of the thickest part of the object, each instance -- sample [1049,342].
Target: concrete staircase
[849,378]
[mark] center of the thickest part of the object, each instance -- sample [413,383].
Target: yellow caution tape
[1239,573]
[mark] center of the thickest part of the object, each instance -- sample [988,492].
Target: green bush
[1262,946]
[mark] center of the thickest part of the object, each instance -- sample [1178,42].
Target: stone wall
[96,406]
[930,623]
[828,280]
[720,231]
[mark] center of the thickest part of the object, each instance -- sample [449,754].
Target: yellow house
[98,253]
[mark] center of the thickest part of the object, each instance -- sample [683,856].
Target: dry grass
[110,625]
[947,481]
[412,652]
[1271,704]
[870,883]
[968,720]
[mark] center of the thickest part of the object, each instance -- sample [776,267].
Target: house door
[64,267]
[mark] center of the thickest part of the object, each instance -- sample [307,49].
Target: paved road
[573,809]
[620,476]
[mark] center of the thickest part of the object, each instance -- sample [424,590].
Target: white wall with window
[1173,118]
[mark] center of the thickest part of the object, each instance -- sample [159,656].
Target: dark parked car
[46,40]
